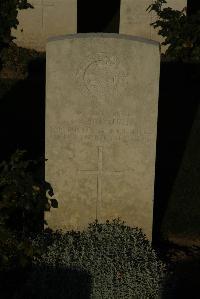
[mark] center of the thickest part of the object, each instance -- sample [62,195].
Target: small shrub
[120,260]
[23,200]
[8,20]
[181,32]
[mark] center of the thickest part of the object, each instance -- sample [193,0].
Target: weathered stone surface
[135,20]
[47,18]
[101,124]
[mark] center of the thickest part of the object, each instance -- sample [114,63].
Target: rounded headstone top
[103,35]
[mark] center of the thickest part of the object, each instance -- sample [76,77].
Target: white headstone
[101,124]
[135,20]
[47,18]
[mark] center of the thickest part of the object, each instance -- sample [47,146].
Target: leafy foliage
[120,260]
[181,32]
[23,201]
[8,20]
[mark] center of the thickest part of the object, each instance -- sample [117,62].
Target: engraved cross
[97,172]
[100,172]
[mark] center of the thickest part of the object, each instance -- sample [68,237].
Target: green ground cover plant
[119,260]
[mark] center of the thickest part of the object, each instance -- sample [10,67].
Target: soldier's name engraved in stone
[119,127]
[100,119]
[116,119]
[105,134]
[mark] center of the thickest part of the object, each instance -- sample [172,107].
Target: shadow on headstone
[56,283]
